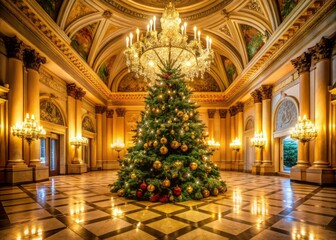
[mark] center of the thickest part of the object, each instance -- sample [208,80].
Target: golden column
[302,65]
[120,129]
[320,172]
[211,115]
[109,129]
[333,128]
[240,130]
[228,152]
[71,130]
[257,98]
[15,49]
[78,97]
[266,166]
[99,118]
[222,139]
[233,112]
[33,61]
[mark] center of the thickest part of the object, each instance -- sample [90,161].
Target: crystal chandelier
[235,145]
[78,141]
[118,146]
[213,146]
[304,130]
[29,129]
[258,140]
[152,50]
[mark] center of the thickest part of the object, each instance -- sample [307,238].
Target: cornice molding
[51,31]
[279,44]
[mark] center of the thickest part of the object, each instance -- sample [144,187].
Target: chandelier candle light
[304,130]
[28,130]
[147,56]
[118,146]
[78,141]
[258,140]
[213,145]
[235,145]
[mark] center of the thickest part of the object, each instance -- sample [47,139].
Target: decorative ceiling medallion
[225,29]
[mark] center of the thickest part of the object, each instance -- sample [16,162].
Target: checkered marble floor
[81,207]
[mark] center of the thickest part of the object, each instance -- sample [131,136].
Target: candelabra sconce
[28,130]
[213,146]
[235,145]
[78,141]
[258,140]
[304,131]
[118,146]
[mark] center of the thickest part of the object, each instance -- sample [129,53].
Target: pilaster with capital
[119,128]
[32,61]
[321,54]
[240,130]
[15,49]
[211,115]
[223,135]
[233,112]
[99,118]
[109,134]
[266,93]
[302,65]
[257,98]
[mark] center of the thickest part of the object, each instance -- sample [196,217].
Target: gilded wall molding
[53,82]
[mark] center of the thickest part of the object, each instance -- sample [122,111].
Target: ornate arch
[286,114]
[87,124]
[249,123]
[50,112]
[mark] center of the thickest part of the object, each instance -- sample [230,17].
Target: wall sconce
[235,145]
[304,130]
[118,146]
[78,141]
[213,146]
[258,140]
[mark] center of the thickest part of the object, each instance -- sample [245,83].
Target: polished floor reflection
[81,207]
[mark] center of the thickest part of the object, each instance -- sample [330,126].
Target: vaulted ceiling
[97,30]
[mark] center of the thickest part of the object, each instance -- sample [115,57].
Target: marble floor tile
[82,207]
[167,225]
[228,226]
[200,234]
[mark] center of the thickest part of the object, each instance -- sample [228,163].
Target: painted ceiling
[98,29]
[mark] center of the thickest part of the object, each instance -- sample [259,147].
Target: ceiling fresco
[98,29]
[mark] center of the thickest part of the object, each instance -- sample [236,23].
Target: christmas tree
[170,159]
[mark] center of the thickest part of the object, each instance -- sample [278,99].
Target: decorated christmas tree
[170,159]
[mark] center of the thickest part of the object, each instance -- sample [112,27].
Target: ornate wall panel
[87,124]
[286,115]
[50,112]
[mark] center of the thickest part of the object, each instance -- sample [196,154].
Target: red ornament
[177,191]
[164,199]
[143,186]
[166,75]
[155,198]
[139,194]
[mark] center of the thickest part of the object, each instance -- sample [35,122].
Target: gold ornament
[206,193]
[184,147]
[153,109]
[163,150]
[150,143]
[171,198]
[208,169]
[180,197]
[133,176]
[186,128]
[172,132]
[193,136]
[120,192]
[178,164]
[174,175]
[140,134]
[193,166]
[146,145]
[163,140]
[151,188]
[163,107]
[185,117]
[166,183]
[215,192]
[179,113]
[190,189]
[158,131]
[174,144]
[204,158]
[157,165]
[155,143]
[222,189]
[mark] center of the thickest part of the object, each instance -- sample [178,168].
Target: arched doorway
[285,148]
